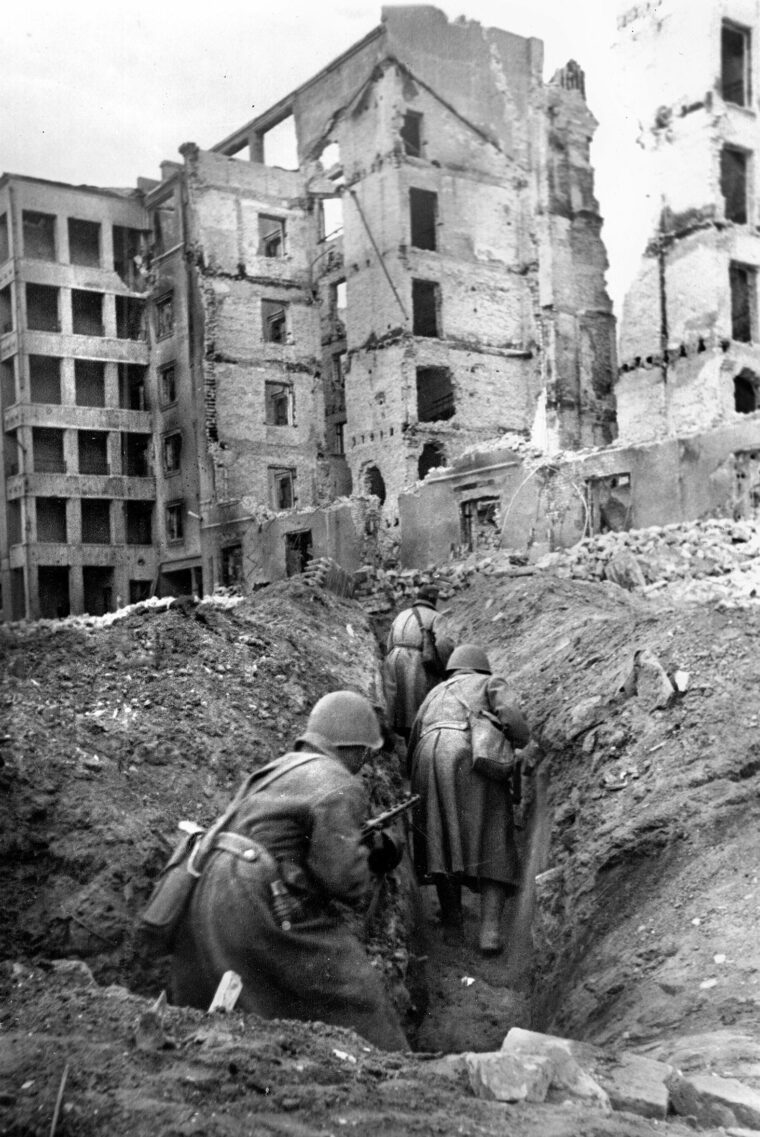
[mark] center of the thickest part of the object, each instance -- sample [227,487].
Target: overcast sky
[101,91]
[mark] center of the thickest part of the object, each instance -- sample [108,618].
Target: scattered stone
[715,1101]
[498,1076]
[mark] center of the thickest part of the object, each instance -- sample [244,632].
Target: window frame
[171,445]
[279,475]
[163,371]
[165,303]
[745,33]
[176,510]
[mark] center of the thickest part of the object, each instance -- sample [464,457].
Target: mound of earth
[636,928]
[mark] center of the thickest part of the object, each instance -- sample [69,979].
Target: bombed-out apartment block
[204,378]
[689,333]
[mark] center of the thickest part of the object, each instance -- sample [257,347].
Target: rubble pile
[700,561]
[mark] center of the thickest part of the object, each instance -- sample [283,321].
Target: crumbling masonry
[427,276]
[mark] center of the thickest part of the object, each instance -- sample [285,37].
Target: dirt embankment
[647,895]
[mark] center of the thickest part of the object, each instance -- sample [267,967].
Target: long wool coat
[463,825]
[405,679]
[309,821]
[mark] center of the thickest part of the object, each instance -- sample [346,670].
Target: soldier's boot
[450,899]
[493,895]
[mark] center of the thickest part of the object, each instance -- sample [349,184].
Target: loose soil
[640,832]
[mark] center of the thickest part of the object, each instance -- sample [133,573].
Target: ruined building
[689,332]
[202,378]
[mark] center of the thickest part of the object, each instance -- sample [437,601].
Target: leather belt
[247,850]
[445,726]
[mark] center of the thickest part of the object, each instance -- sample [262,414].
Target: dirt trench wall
[117,733]
[647,870]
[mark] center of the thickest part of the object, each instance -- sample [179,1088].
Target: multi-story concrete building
[428,274]
[689,337]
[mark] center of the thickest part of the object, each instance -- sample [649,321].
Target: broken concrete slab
[498,1076]
[627,1081]
[715,1101]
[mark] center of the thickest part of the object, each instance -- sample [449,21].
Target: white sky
[101,91]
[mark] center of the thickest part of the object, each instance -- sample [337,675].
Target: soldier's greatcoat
[406,681]
[304,827]
[463,824]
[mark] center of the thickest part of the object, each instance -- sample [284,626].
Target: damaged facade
[427,275]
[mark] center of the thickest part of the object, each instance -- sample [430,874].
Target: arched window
[432,455]
[374,483]
[745,392]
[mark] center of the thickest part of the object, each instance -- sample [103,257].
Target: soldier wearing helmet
[264,903]
[463,825]
[417,652]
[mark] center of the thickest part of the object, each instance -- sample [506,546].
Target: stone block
[568,1077]
[715,1101]
[498,1076]
[624,1080]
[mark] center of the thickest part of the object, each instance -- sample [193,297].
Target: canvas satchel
[492,753]
[159,921]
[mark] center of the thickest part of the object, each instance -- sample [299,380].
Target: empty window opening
[282,487]
[6,310]
[136,455]
[165,317]
[743,282]
[338,439]
[12,452]
[280,145]
[167,381]
[7,384]
[53,591]
[426,303]
[271,236]
[45,379]
[138,522]
[87,313]
[411,134]
[435,394]
[331,217]
[84,242]
[165,228]
[746,484]
[39,235]
[432,455]
[51,519]
[374,483]
[139,590]
[278,402]
[298,551]
[232,566]
[98,589]
[423,214]
[47,450]
[93,451]
[608,501]
[745,392]
[42,308]
[5,248]
[274,321]
[479,523]
[175,521]
[130,318]
[90,383]
[172,452]
[733,183]
[129,257]
[96,521]
[132,391]
[735,64]
[340,296]
[330,157]
[13,514]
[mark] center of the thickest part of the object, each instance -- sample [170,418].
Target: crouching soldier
[264,904]
[463,824]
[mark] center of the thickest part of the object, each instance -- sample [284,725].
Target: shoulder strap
[255,781]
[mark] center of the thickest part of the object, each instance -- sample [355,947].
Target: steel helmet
[468,657]
[345,718]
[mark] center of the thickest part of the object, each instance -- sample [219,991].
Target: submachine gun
[383,820]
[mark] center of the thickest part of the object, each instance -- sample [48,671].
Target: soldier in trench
[463,825]
[417,652]
[264,905]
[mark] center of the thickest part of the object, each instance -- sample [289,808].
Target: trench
[455,999]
